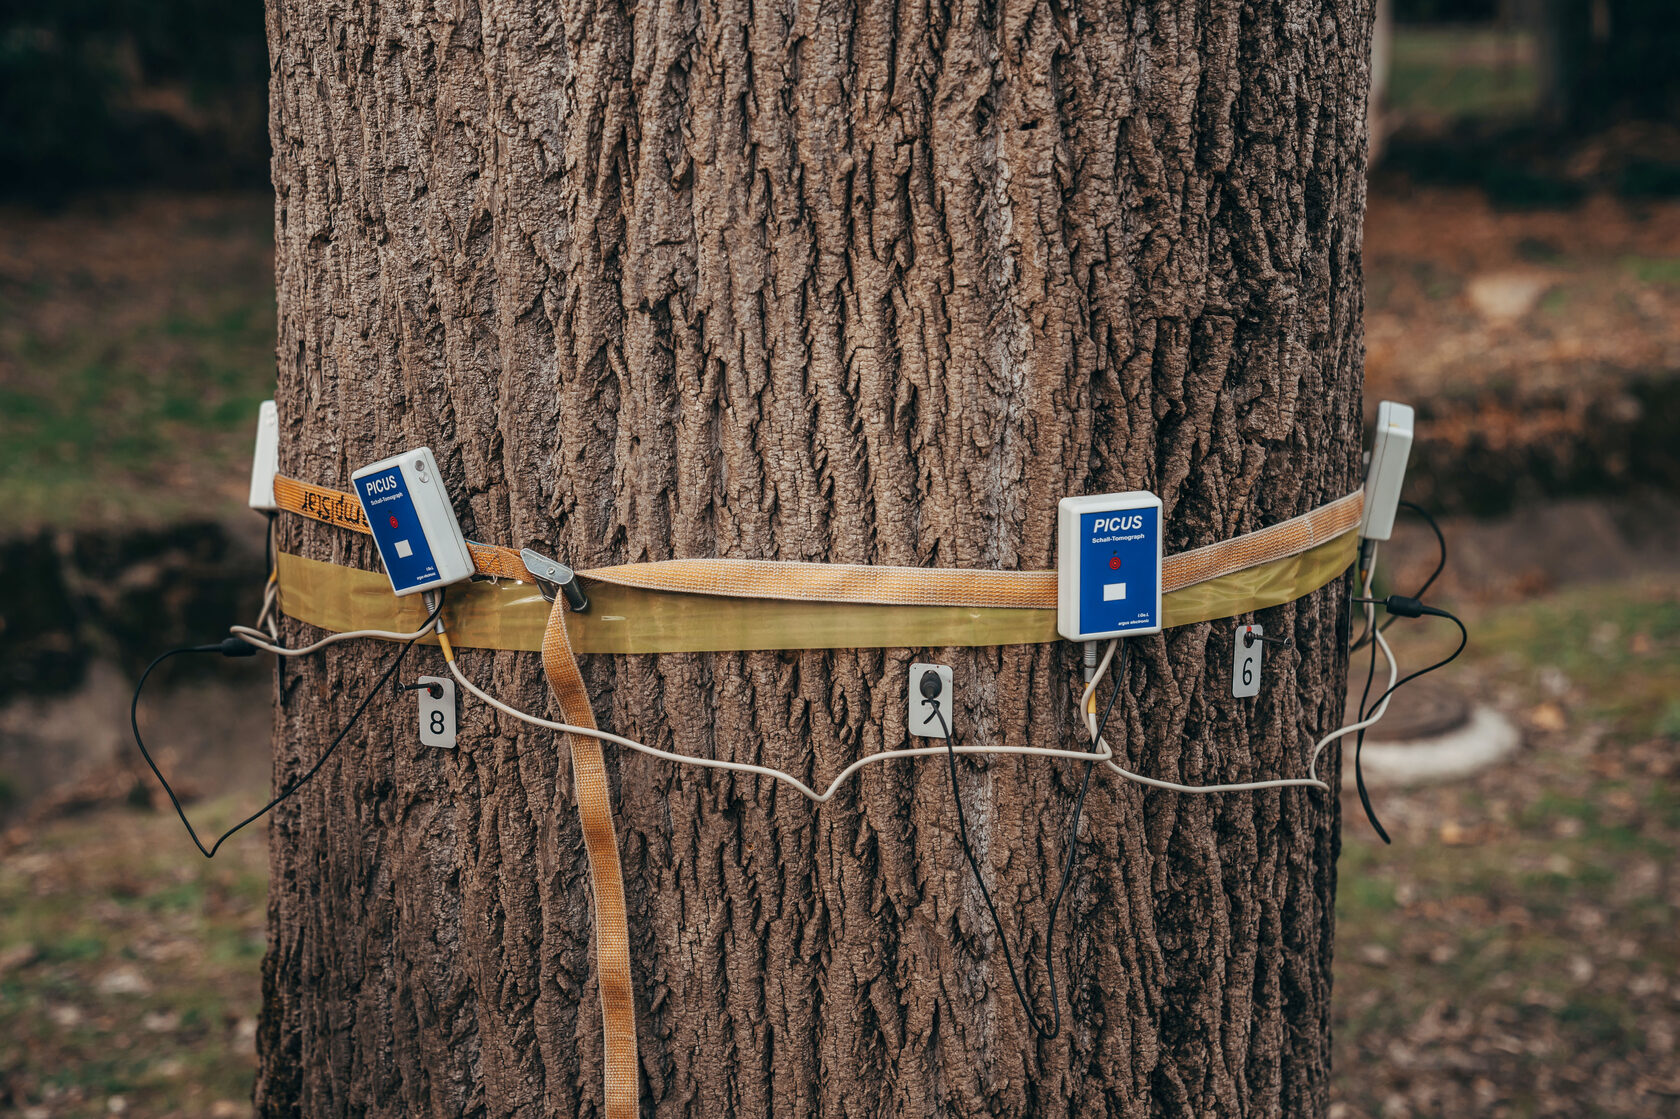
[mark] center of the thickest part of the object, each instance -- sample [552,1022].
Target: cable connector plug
[235,647]
[1403,607]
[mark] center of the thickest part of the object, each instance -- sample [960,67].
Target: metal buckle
[553,576]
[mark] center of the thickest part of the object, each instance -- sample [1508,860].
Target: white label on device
[1245,665]
[437,713]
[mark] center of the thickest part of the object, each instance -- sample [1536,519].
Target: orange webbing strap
[944,586]
[589,776]
[837,582]
[1287,538]
[334,507]
[606,877]
[869,584]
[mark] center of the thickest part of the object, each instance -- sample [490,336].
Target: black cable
[1440,566]
[235,647]
[268,566]
[1371,671]
[1068,863]
[1401,607]
[1358,772]
[1440,544]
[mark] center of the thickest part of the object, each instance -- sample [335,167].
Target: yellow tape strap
[633,620]
[865,584]
[606,875]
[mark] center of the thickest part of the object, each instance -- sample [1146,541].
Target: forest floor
[1462,296]
[1514,952]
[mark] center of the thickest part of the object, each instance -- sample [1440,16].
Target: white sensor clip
[1391,446]
[265,463]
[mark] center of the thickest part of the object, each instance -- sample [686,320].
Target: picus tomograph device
[413,522]
[1108,565]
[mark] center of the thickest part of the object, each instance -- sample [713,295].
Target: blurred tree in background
[1447,11]
[1601,60]
[98,93]
[1605,60]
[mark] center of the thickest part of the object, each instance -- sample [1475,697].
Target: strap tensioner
[552,576]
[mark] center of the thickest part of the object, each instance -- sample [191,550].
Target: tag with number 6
[1245,664]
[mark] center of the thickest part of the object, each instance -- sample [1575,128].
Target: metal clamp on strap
[553,576]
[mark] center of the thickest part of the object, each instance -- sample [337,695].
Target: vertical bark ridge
[809,280]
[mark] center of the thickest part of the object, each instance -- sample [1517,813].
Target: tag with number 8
[437,712]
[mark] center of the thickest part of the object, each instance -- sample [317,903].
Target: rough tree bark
[872,283]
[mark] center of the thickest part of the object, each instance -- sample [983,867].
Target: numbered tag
[1245,665]
[437,713]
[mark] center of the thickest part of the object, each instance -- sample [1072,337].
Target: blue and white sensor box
[413,522]
[1108,580]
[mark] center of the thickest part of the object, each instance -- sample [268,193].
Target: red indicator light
[398,524]
[1114,563]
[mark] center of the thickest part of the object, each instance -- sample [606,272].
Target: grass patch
[132,370]
[1652,269]
[76,948]
[1462,73]
[118,894]
[1627,666]
[1533,938]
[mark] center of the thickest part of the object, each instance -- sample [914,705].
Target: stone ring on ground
[1433,733]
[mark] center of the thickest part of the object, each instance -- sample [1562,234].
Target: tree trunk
[874,284]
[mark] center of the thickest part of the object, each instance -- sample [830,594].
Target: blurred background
[1514,953]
